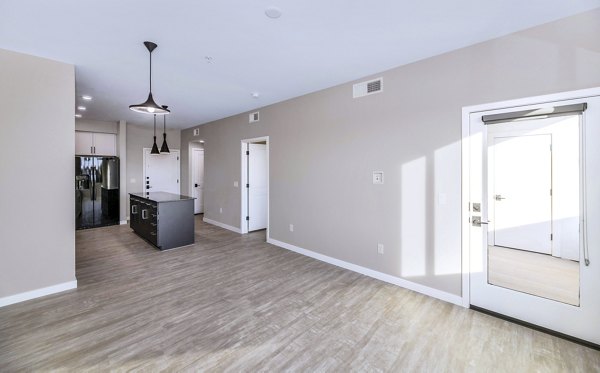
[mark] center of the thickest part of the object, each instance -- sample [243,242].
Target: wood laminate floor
[235,303]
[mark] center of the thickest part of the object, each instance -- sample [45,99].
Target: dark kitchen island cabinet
[166,220]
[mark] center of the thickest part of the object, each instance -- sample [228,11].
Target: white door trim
[190,149]
[244,181]
[466,159]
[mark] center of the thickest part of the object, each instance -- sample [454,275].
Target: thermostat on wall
[377,177]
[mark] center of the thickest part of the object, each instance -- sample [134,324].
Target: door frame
[145,154]
[192,151]
[244,181]
[495,107]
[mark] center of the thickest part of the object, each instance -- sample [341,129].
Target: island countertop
[162,196]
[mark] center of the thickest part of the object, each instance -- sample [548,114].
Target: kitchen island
[166,220]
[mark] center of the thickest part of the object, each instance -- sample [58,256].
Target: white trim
[435,293]
[222,225]
[32,294]
[466,191]
[124,222]
[244,181]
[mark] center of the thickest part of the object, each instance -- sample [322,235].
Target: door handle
[498,197]
[476,221]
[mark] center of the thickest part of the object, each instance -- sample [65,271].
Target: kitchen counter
[162,196]
[165,220]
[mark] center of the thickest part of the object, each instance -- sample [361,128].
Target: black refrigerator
[96,191]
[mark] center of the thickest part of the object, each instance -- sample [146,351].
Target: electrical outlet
[221,210]
[291,227]
[380,248]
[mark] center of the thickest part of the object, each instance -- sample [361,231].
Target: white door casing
[257,186]
[520,169]
[198,180]
[161,172]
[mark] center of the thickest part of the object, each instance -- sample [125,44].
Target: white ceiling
[314,45]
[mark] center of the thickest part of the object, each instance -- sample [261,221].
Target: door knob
[498,197]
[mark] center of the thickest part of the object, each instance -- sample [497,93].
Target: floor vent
[254,117]
[367,88]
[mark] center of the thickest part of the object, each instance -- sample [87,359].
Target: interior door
[499,292]
[161,172]
[521,181]
[257,187]
[198,180]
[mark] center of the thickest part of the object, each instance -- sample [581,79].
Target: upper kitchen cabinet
[92,143]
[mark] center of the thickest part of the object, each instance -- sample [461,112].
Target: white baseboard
[222,225]
[123,222]
[21,297]
[442,295]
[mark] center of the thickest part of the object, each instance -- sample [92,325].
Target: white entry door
[161,172]
[198,180]
[512,282]
[521,182]
[257,187]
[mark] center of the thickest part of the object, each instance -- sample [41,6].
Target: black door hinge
[551,236]
[247,185]
[247,152]
[247,218]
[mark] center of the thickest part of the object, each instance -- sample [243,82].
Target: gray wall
[37,142]
[138,138]
[325,145]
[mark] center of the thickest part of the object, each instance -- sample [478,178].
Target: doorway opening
[527,167]
[196,172]
[255,184]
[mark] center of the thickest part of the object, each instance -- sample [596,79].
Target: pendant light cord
[150,72]
[154,126]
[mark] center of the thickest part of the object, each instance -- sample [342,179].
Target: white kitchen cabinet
[92,143]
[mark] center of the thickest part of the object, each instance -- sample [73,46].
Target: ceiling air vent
[254,117]
[367,88]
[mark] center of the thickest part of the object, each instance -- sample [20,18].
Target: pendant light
[149,107]
[154,146]
[164,148]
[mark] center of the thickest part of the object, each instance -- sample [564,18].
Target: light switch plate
[235,184]
[377,177]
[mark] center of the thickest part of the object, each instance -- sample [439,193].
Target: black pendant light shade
[154,146]
[149,107]
[164,148]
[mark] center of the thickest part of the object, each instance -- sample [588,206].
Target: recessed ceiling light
[255,94]
[77,115]
[273,12]
[81,108]
[86,97]
[208,59]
